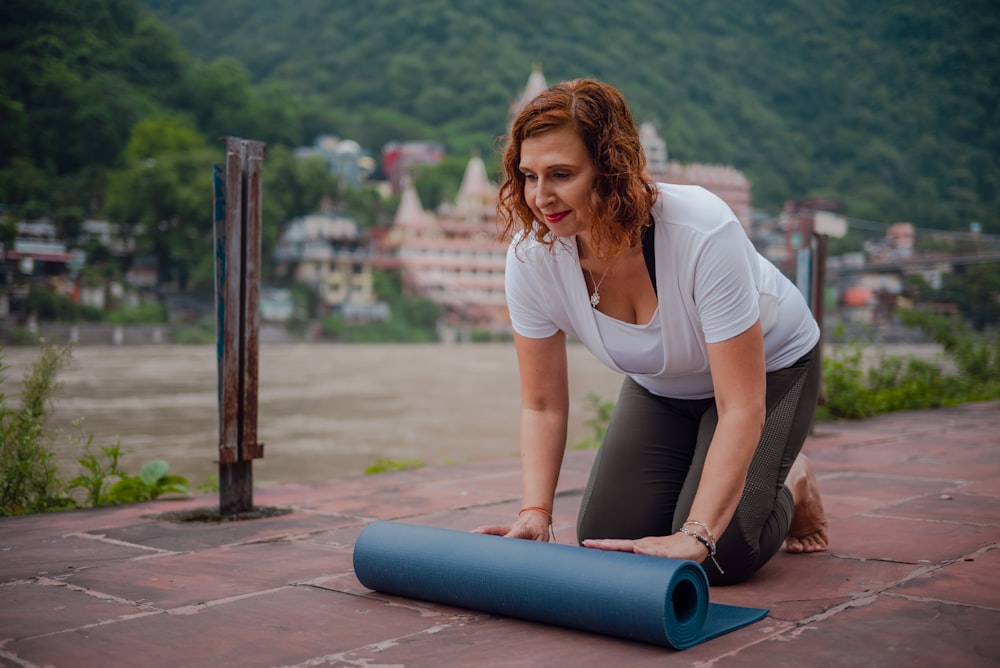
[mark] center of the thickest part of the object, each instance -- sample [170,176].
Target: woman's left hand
[674,546]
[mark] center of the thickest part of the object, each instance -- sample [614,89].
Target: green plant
[152,313]
[100,471]
[598,424]
[29,477]
[105,484]
[382,465]
[153,481]
[855,389]
[209,486]
[29,480]
[976,356]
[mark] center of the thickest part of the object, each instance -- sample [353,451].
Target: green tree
[153,137]
[162,195]
[976,287]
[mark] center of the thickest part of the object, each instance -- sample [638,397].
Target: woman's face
[558,180]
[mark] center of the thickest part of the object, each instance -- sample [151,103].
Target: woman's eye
[530,177]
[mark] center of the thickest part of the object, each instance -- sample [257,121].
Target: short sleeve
[725,286]
[525,301]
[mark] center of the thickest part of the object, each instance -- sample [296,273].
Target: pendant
[595,299]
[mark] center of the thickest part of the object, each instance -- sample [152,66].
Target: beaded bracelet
[708,543]
[708,531]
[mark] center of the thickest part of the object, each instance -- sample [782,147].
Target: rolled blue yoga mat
[648,599]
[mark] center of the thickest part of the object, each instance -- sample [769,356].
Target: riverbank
[325,410]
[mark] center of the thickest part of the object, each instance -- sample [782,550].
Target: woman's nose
[543,194]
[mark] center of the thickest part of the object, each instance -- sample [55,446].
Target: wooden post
[237,280]
[819,246]
[825,224]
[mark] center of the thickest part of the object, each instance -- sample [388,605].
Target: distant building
[107,234]
[399,159]
[725,181]
[452,256]
[898,243]
[344,158]
[535,85]
[276,305]
[38,245]
[327,252]
[796,222]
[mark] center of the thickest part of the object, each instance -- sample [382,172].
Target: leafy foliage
[598,423]
[977,356]
[855,388]
[29,480]
[891,109]
[105,484]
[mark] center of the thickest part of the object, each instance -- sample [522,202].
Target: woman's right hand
[530,525]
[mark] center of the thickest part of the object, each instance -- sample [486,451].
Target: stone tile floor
[912,577]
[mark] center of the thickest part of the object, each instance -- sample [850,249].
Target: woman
[661,283]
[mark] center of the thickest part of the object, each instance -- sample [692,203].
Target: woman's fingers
[616,544]
[494,529]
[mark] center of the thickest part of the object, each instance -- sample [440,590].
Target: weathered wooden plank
[253,157]
[229,450]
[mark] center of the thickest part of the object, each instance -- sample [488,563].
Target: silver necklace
[595,297]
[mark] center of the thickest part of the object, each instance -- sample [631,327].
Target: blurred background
[383,122]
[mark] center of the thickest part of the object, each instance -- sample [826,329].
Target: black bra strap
[649,252]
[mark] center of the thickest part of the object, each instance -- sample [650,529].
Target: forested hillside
[889,107]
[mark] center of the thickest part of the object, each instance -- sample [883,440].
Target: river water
[325,410]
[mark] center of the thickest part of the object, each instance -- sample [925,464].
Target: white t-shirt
[711,284]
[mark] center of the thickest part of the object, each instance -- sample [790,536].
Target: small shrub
[105,484]
[29,477]
[29,480]
[100,471]
[894,383]
[153,481]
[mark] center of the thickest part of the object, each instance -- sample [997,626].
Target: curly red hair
[623,196]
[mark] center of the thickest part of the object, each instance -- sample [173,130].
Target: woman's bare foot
[808,532]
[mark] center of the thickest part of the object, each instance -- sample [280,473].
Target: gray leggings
[646,473]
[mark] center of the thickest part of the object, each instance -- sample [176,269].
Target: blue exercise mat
[648,599]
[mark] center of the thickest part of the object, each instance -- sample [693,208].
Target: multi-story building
[725,181]
[399,159]
[452,256]
[326,251]
[344,158]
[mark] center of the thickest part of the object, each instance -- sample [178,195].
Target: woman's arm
[739,379]
[544,412]
[738,376]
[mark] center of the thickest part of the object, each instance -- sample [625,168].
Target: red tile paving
[912,577]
